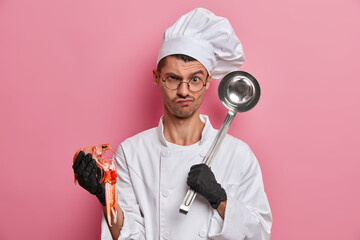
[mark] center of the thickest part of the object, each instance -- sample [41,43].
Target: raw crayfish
[108,168]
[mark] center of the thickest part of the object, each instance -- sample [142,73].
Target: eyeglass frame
[188,83]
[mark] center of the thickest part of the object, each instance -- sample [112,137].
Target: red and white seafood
[109,169]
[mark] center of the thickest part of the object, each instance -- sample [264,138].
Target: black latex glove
[88,175]
[203,181]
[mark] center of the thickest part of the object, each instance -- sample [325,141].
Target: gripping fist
[88,175]
[203,181]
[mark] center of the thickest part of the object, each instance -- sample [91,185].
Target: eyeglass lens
[195,84]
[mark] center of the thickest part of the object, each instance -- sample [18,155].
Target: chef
[167,159]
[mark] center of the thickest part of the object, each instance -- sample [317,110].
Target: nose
[183,89]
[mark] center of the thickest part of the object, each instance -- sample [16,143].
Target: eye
[172,78]
[196,80]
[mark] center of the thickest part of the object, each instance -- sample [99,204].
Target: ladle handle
[219,138]
[191,194]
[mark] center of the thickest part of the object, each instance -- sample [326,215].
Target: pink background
[78,73]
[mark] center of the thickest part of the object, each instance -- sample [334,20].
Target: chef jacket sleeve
[247,213]
[133,226]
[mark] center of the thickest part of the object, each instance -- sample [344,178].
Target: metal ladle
[239,92]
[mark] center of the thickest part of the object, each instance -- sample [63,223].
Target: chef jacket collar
[205,135]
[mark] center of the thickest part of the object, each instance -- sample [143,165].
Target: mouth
[183,102]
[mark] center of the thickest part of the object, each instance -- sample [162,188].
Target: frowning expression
[181,102]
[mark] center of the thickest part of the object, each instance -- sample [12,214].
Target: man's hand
[203,181]
[88,175]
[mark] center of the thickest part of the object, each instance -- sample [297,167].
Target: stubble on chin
[184,112]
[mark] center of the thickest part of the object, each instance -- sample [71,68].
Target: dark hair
[183,57]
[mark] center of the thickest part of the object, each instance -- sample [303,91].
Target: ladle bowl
[239,92]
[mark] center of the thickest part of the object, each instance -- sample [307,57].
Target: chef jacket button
[202,154]
[165,153]
[165,193]
[202,234]
[165,235]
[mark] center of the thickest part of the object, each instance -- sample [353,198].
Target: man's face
[181,103]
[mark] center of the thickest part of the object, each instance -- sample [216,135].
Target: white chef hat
[208,38]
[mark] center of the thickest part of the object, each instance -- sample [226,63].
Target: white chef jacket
[154,213]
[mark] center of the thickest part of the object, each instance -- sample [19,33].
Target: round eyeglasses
[195,84]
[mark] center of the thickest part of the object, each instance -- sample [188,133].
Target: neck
[183,131]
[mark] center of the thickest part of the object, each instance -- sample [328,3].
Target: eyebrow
[198,72]
[191,74]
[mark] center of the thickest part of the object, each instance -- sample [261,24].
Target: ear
[156,77]
[208,82]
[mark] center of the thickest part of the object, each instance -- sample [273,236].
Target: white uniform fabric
[208,38]
[155,214]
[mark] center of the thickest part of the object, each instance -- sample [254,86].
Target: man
[232,202]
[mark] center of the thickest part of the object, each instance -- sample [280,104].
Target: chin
[184,115]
